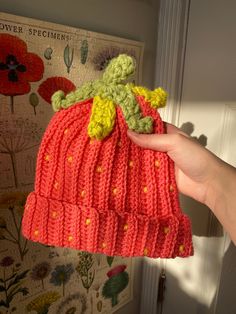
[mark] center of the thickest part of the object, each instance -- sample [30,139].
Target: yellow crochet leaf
[102,118]
[156,98]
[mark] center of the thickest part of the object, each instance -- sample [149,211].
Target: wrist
[220,196]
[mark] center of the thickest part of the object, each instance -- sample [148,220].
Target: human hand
[199,173]
[194,165]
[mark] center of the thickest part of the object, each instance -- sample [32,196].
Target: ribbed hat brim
[59,223]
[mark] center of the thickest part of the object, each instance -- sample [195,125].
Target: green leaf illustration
[114,285]
[68,57]
[110,260]
[34,101]
[84,51]
[18,278]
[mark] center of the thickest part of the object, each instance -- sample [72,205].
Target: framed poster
[37,57]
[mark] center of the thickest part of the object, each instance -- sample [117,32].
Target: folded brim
[58,223]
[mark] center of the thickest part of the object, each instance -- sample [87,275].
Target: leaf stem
[12,103]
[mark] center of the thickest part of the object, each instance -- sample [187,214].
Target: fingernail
[132,133]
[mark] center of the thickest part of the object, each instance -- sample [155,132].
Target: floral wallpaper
[36,59]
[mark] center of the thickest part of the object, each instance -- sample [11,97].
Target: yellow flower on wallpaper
[42,303]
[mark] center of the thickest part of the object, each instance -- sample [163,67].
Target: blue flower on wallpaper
[61,275]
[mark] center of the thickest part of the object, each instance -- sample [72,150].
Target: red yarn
[108,196]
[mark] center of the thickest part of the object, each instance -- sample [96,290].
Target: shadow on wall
[209,225]
[188,128]
[186,291]
[179,302]
[226,293]
[182,302]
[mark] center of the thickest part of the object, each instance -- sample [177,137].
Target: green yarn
[119,69]
[110,87]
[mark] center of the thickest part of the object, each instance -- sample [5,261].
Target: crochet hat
[96,190]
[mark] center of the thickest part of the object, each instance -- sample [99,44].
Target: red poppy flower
[17,66]
[53,84]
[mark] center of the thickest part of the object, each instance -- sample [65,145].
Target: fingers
[158,142]
[172,129]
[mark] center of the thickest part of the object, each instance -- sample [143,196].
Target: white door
[206,282]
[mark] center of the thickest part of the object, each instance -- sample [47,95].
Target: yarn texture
[95,190]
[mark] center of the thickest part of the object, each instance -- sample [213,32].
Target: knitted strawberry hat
[96,190]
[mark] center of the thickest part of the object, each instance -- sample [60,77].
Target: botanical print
[11,282]
[37,59]
[34,101]
[84,51]
[110,260]
[84,269]
[61,275]
[73,304]
[117,282]
[102,58]
[18,67]
[68,57]
[52,84]
[16,136]
[40,271]
[42,303]
[14,204]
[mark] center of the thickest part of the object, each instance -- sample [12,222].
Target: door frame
[169,73]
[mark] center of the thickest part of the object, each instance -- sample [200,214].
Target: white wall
[208,93]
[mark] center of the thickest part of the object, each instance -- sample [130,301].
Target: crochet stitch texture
[95,190]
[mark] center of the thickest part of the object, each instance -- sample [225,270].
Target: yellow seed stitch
[145,189]
[119,143]
[70,158]
[36,232]
[104,245]
[47,157]
[56,184]
[157,163]
[70,238]
[88,221]
[145,252]
[54,214]
[125,227]
[66,131]
[166,230]
[82,193]
[114,191]
[171,188]
[99,169]
[131,163]
[181,248]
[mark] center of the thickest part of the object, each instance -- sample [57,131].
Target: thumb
[157,142]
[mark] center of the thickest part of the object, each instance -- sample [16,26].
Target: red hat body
[108,196]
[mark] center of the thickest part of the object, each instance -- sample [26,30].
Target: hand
[194,165]
[199,173]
